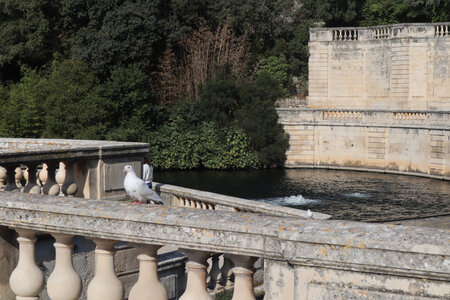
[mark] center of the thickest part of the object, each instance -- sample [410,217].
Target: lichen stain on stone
[281,228]
[323,251]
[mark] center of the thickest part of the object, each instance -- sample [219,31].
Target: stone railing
[391,141]
[185,197]
[380,32]
[88,169]
[386,118]
[303,258]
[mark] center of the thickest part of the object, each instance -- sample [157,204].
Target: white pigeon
[309,214]
[137,189]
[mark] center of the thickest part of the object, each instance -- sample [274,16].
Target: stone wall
[384,141]
[403,66]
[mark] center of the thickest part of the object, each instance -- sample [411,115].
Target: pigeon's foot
[136,202]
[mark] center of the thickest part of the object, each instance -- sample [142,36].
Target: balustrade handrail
[281,238]
[14,150]
[230,203]
[351,117]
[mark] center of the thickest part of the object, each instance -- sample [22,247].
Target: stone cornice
[28,150]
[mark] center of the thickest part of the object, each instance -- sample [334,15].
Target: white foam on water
[358,195]
[290,200]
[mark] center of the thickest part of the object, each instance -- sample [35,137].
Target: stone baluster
[30,175]
[51,187]
[214,273]
[66,179]
[148,286]
[105,284]
[43,175]
[60,176]
[3,178]
[243,277]
[18,177]
[10,178]
[196,282]
[27,280]
[63,283]
[226,272]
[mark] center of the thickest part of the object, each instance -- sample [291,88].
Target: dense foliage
[196,79]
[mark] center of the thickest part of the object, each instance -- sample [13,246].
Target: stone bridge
[379,100]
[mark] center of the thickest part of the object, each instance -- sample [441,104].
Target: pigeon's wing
[146,193]
[147,173]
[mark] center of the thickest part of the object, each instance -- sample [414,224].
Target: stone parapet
[88,169]
[186,197]
[391,141]
[315,257]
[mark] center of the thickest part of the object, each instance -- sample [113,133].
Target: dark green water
[346,195]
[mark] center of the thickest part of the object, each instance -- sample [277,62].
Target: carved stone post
[196,282]
[64,283]
[18,177]
[105,284]
[226,272]
[31,187]
[3,177]
[148,286]
[51,187]
[243,277]
[69,187]
[27,280]
[11,178]
[65,179]
[214,273]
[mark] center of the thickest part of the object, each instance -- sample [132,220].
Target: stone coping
[382,26]
[384,249]
[14,150]
[312,109]
[235,202]
[433,120]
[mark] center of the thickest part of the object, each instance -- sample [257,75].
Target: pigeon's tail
[156,199]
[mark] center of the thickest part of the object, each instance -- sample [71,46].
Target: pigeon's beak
[124,170]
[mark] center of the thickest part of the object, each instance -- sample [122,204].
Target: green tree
[131,105]
[278,69]
[218,101]
[25,35]
[258,118]
[74,105]
[335,13]
[120,33]
[382,12]
[23,107]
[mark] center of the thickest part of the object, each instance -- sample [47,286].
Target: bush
[278,68]
[187,142]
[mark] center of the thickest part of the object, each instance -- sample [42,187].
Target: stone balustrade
[87,169]
[387,118]
[379,32]
[186,197]
[303,258]
[391,141]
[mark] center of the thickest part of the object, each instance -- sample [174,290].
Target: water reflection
[343,194]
